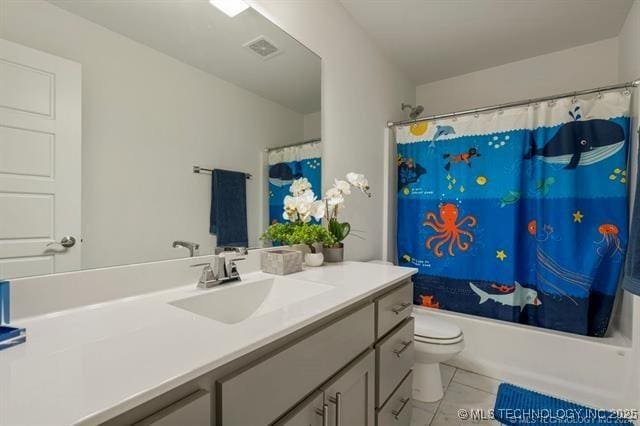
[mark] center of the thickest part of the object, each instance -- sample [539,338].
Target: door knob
[66,242]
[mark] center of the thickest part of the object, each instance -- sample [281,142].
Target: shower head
[415,111]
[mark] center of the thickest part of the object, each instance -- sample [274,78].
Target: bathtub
[601,372]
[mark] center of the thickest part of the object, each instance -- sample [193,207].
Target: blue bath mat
[519,406]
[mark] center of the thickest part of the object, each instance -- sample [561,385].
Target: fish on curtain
[518,215]
[285,166]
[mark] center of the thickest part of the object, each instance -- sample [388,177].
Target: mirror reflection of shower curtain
[288,164]
[519,215]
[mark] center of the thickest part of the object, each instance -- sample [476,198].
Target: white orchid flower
[307,197]
[342,186]
[359,181]
[300,186]
[317,209]
[334,197]
[290,208]
[303,207]
[305,217]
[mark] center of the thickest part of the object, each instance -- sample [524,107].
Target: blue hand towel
[228,219]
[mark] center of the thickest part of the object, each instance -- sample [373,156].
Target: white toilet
[436,341]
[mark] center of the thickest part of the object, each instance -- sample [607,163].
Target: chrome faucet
[194,248]
[231,249]
[223,269]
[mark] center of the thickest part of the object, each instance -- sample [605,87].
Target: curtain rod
[627,85]
[292,144]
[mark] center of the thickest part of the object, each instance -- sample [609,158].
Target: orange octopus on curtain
[449,230]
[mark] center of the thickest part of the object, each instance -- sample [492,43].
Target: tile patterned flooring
[462,389]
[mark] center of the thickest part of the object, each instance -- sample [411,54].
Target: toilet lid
[429,327]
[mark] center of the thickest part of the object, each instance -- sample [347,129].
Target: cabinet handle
[398,310]
[405,346]
[396,413]
[338,401]
[324,413]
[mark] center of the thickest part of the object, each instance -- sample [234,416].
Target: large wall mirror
[130,129]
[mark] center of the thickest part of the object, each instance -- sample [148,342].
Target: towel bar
[198,169]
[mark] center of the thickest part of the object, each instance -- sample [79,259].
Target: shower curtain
[518,215]
[288,164]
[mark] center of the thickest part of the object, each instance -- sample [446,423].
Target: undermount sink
[242,301]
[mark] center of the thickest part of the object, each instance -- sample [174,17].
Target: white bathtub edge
[556,363]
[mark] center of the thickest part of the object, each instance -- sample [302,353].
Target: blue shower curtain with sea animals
[518,215]
[288,164]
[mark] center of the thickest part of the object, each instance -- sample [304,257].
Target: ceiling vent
[263,47]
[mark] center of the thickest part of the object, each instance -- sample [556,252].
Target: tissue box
[281,262]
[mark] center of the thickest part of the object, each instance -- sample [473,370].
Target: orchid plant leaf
[340,231]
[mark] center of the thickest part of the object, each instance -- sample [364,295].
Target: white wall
[361,91]
[147,119]
[629,45]
[582,67]
[312,126]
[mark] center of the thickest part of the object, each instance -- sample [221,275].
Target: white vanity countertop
[89,364]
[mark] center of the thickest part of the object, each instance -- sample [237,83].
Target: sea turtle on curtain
[581,143]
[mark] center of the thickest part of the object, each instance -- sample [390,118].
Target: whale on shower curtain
[533,229]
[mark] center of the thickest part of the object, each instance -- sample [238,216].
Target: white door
[40,142]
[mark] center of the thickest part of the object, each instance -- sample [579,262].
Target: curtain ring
[476,115]
[500,111]
[626,92]
[536,105]
[599,96]
[454,118]
[552,102]
[574,100]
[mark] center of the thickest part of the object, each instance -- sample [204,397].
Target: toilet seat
[433,341]
[435,331]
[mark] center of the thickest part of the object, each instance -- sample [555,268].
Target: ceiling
[435,39]
[198,34]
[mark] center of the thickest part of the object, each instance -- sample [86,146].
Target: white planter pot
[314,259]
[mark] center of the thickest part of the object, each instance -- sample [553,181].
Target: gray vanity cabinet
[397,410]
[347,400]
[312,412]
[193,410]
[351,394]
[275,383]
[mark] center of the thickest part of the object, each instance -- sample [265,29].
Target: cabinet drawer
[193,410]
[261,393]
[397,410]
[393,307]
[395,355]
